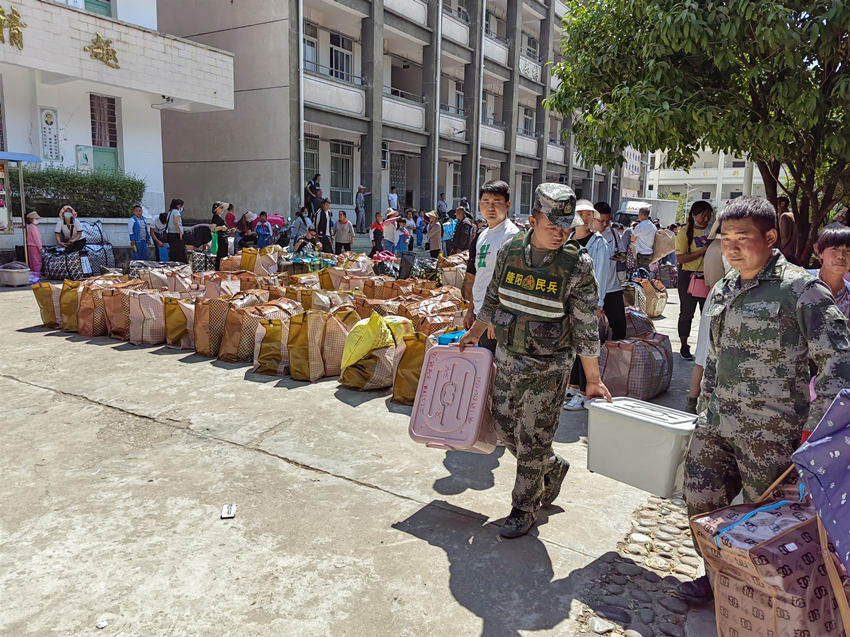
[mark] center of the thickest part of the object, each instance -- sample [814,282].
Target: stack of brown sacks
[287,321]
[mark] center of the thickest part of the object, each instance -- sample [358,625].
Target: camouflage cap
[558,203]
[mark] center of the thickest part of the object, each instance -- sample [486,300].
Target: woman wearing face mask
[691,244]
[69,231]
[300,225]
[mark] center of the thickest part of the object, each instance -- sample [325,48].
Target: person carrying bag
[691,245]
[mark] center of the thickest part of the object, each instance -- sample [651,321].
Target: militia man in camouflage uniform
[541,309]
[769,319]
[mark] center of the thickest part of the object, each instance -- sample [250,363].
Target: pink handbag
[697,286]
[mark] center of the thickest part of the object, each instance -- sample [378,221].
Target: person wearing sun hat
[34,246]
[435,233]
[540,307]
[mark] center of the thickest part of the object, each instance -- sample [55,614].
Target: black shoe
[552,482]
[686,353]
[518,523]
[696,592]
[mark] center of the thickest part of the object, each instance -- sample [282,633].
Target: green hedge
[91,194]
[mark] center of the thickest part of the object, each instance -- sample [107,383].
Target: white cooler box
[638,443]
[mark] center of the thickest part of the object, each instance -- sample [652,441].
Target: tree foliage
[770,80]
[91,194]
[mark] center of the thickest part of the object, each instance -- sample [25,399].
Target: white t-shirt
[487,246]
[62,229]
[645,233]
[392,198]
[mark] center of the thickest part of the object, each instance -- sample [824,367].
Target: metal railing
[452,110]
[320,70]
[492,121]
[405,95]
[557,141]
[527,132]
[495,36]
[532,55]
[458,12]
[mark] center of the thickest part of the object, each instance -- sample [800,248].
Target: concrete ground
[118,460]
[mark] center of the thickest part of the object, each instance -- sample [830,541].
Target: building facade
[714,176]
[430,97]
[83,84]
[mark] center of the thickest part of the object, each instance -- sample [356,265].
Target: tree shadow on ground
[510,584]
[468,471]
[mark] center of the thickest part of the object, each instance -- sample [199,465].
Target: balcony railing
[459,13]
[492,121]
[405,95]
[527,132]
[557,140]
[335,74]
[532,54]
[452,110]
[495,36]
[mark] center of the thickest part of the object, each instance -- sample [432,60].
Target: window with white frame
[525,194]
[458,98]
[311,156]
[311,47]
[341,48]
[342,173]
[385,155]
[531,46]
[527,120]
[456,182]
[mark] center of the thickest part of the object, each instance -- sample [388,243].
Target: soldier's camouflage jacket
[764,332]
[545,310]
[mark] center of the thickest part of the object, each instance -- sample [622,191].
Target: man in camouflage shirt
[540,307]
[769,319]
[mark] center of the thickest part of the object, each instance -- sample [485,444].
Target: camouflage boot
[518,523]
[553,480]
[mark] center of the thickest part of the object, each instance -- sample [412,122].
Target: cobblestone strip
[636,597]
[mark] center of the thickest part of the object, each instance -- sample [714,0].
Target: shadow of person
[468,471]
[509,584]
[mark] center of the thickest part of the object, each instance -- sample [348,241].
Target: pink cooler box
[452,406]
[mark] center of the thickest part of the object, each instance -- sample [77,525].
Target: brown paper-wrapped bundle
[231,264]
[176,281]
[306,333]
[356,264]
[179,323]
[116,309]
[407,364]
[222,284]
[431,324]
[364,307]
[267,259]
[47,296]
[249,258]
[454,275]
[91,319]
[307,280]
[355,281]
[211,316]
[338,326]
[373,288]
[373,371]
[460,258]
[69,304]
[277,292]
[271,352]
[147,316]
[237,344]
[158,277]
[393,289]
[273,280]
[92,314]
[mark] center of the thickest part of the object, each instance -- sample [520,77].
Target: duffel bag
[201,260]
[58,265]
[100,257]
[640,367]
[93,232]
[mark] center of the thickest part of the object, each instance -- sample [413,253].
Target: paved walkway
[118,459]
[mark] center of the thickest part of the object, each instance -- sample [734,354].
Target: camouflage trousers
[726,456]
[527,396]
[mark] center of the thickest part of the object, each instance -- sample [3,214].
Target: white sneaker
[575,403]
